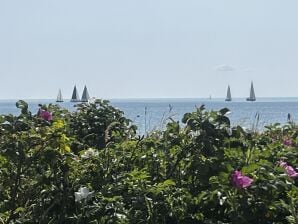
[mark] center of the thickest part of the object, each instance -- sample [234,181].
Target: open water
[151,114]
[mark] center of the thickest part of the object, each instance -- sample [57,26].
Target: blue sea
[152,114]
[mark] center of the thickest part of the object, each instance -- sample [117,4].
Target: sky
[148,49]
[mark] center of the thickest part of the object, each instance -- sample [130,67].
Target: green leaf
[23,106]
[224,111]
[250,168]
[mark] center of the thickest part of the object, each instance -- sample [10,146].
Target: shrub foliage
[89,166]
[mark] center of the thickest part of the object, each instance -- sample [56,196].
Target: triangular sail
[229,96]
[75,95]
[59,97]
[252,92]
[252,96]
[85,96]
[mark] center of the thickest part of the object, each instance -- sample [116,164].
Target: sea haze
[151,114]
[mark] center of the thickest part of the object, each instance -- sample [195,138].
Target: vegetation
[89,166]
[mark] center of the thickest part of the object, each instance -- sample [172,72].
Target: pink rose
[241,181]
[46,115]
[288,142]
[290,171]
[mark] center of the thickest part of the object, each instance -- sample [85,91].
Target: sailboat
[75,95]
[252,96]
[229,97]
[59,97]
[85,96]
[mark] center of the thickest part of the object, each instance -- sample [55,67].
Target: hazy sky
[153,48]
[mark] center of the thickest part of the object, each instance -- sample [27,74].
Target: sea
[154,114]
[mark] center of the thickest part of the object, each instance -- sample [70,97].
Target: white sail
[229,96]
[75,95]
[59,97]
[85,96]
[252,96]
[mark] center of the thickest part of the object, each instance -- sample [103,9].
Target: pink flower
[241,181]
[288,142]
[46,115]
[282,164]
[290,171]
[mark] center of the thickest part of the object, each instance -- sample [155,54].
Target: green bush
[89,166]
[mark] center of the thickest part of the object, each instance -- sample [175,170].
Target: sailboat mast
[59,97]
[75,95]
[252,92]
[229,96]
[85,96]
[252,96]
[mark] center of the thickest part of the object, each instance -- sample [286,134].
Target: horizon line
[152,98]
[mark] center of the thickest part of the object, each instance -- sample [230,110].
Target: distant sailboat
[252,96]
[59,97]
[85,96]
[75,95]
[229,96]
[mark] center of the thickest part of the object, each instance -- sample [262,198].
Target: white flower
[120,216]
[92,100]
[82,193]
[89,153]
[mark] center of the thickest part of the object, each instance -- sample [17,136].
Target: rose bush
[89,166]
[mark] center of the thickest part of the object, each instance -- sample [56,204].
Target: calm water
[150,114]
